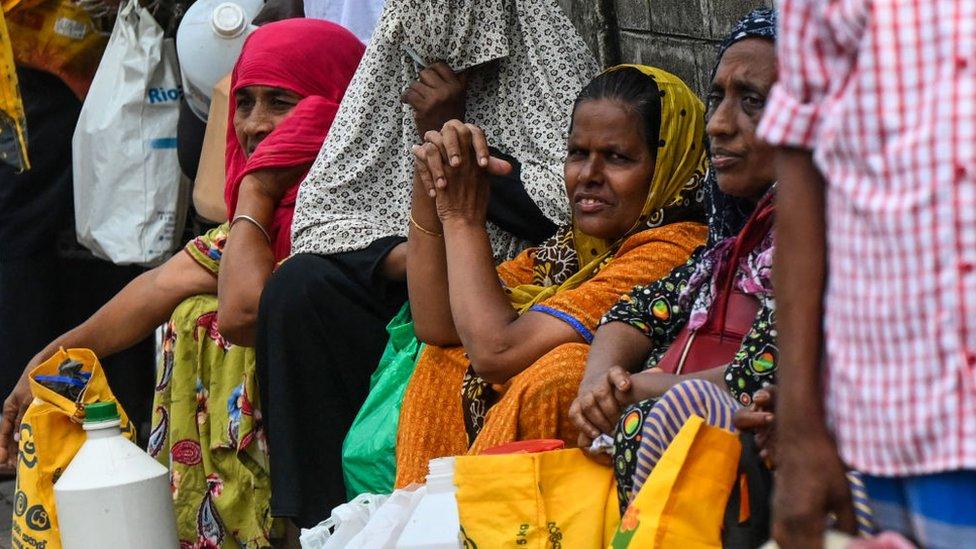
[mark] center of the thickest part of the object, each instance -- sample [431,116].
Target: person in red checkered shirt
[874,115]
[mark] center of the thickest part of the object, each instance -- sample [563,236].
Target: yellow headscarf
[571,257]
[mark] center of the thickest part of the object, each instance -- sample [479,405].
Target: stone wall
[676,35]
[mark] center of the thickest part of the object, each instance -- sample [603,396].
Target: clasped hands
[453,165]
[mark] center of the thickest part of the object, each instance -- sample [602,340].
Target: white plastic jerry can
[113,494]
[208,43]
[434,523]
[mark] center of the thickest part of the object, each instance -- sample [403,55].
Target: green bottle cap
[101,411]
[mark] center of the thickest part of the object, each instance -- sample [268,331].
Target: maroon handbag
[730,316]
[710,347]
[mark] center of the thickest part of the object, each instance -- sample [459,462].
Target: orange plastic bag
[56,36]
[544,500]
[682,502]
[59,37]
[50,436]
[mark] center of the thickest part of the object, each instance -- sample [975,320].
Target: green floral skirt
[207,430]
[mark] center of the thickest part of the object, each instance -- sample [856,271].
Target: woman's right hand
[600,402]
[14,408]
[438,95]
[270,184]
[758,418]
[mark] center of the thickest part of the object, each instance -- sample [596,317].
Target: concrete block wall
[680,36]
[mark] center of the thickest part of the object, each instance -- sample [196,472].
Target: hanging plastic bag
[50,436]
[540,500]
[346,521]
[130,197]
[682,502]
[387,523]
[13,124]
[369,450]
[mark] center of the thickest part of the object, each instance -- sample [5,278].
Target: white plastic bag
[130,197]
[346,521]
[387,523]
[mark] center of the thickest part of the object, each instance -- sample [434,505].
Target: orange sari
[535,403]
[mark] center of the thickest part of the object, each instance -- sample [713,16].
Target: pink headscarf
[313,58]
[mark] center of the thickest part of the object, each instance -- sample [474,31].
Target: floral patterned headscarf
[530,63]
[728,214]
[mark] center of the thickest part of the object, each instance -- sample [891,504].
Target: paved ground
[6,511]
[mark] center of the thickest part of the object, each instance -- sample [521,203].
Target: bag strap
[755,230]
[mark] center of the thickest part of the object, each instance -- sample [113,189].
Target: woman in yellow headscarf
[506,347]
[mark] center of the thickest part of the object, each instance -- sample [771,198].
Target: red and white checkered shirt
[884,93]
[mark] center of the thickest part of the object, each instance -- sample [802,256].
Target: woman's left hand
[457,168]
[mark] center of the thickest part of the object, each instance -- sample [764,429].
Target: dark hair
[631,87]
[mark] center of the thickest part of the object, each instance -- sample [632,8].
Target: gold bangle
[252,221]
[423,230]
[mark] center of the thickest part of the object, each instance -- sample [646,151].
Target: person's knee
[288,293]
[557,374]
[701,398]
[691,387]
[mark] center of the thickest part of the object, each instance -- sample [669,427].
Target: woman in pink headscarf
[285,92]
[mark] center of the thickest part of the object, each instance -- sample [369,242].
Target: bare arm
[138,309]
[248,259]
[799,270]
[495,337]
[427,273]
[128,318]
[654,383]
[810,480]
[438,95]
[616,344]
[492,332]
[603,396]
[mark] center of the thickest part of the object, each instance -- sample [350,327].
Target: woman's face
[259,110]
[743,163]
[608,168]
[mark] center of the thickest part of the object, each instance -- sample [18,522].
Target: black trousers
[321,331]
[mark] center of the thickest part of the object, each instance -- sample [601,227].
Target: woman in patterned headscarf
[633,176]
[705,334]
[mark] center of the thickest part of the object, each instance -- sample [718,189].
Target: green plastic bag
[369,451]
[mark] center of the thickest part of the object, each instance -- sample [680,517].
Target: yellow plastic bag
[544,500]
[50,435]
[682,502]
[13,124]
